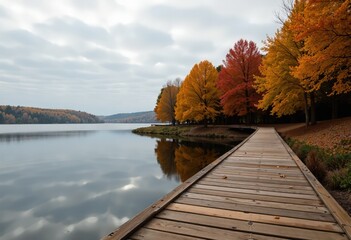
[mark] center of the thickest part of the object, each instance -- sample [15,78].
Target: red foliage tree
[235,80]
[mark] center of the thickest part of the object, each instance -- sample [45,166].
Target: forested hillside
[138,117]
[27,115]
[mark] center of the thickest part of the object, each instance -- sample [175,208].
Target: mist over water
[82,181]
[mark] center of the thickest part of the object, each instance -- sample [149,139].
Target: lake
[82,181]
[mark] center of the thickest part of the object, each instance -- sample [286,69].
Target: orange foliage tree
[198,97]
[325,28]
[235,82]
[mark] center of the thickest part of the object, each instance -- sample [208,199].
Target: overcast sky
[113,56]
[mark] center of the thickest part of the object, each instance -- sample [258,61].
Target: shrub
[316,165]
[344,145]
[335,177]
[337,161]
[339,179]
[346,181]
[334,169]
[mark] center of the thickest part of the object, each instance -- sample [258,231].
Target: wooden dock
[258,190]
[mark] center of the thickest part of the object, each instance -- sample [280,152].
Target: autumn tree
[282,92]
[198,97]
[325,28]
[165,107]
[235,82]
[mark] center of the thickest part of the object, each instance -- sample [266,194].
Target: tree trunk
[334,101]
[205,122]
[248,117]
[313,108]
[307,119]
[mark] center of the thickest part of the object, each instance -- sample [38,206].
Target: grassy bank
[163,130]
[196,131]
[333,169]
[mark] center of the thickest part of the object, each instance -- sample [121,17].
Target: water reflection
[18,137]
[165,152]
[84,184]
[181,159]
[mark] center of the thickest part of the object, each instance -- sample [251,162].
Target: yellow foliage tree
[280,90]
[325,28]
[198,97]
[165,108]
[283,93]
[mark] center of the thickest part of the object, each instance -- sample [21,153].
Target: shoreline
[229,132]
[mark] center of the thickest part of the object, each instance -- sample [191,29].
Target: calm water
[82,181]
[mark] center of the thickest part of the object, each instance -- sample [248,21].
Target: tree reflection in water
[165,152]
[181,159]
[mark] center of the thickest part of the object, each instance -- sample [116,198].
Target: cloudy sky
[112,56]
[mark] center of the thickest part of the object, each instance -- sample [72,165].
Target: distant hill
[28,115]
[137,117]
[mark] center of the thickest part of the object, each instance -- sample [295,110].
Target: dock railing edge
[340,215]
[134,223]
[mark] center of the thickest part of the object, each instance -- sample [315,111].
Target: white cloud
[108,56]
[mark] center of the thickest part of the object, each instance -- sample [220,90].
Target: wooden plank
[249,226]
[278,171]
[265,157]
[257,183]
[261,156]
[267,193]
[260,169]
[261,166]
[258,153]
[294,172]
[286,180]
[279,175]
[145,233]
[262,218]
[307,202]
[224,183]
[254,202]
[264,162]
[203,231]
[256,179]
[255,209]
